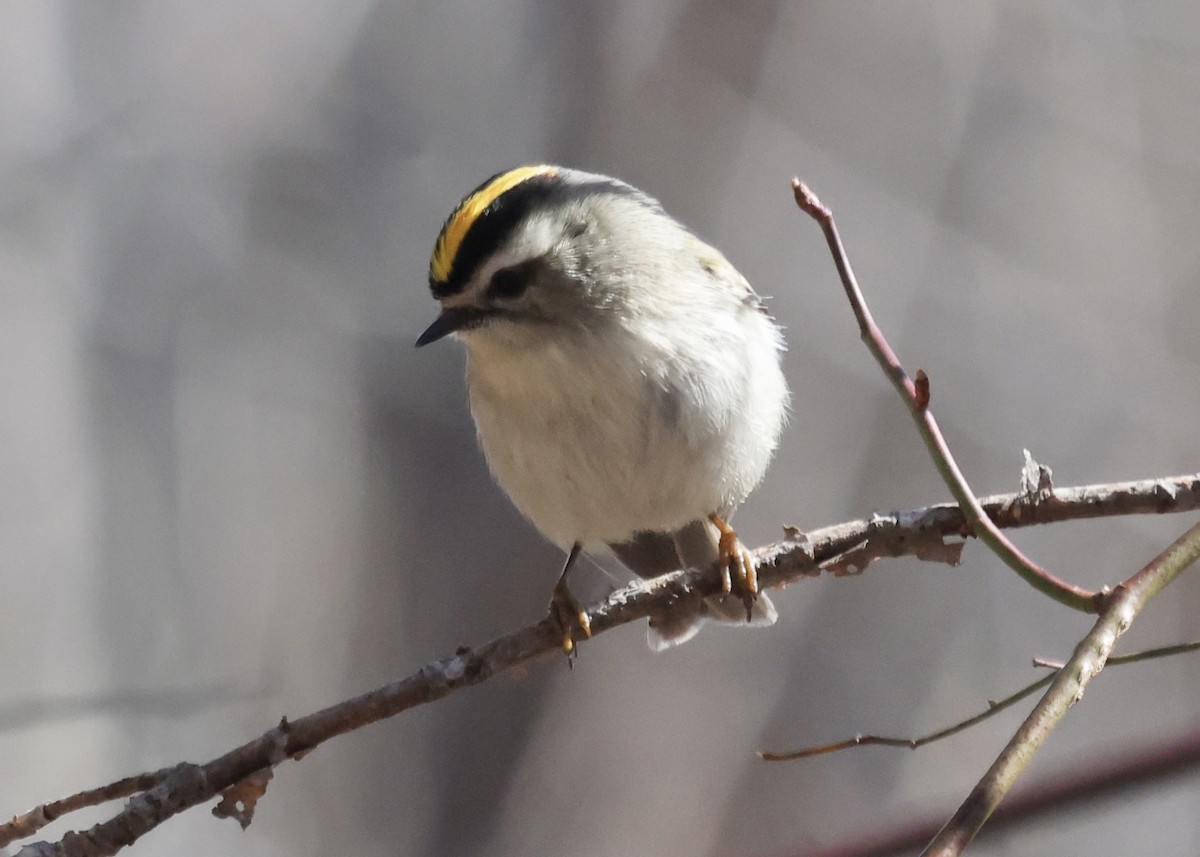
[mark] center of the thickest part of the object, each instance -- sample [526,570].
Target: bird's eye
[508,282]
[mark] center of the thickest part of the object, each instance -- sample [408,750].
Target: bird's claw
[738,574]
[570,616]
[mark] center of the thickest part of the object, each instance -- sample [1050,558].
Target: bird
[625,380]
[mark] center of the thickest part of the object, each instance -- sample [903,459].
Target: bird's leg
[566,607]
[738,574]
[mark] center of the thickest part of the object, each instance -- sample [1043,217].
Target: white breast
[596,438]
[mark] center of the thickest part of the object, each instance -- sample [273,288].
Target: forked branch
[932,532]
[1117,608]
[916,396]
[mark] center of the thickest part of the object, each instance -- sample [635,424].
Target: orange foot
[738,574]
[570,615]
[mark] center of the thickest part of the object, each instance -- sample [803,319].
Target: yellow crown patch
[468,212]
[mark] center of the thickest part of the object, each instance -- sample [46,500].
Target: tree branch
[1117,609]
[1126,602]
[841,549]
[916,397]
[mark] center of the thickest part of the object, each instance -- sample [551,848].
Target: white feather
[636,387]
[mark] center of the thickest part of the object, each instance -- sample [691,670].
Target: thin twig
[1067,688]
[38,817]
[916,397]
[838,549]
[1048,664]
[1151,654]
[993,709]
[910,743]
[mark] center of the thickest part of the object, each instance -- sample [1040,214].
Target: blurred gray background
[231,489]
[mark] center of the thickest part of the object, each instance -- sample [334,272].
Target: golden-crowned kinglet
[623,376]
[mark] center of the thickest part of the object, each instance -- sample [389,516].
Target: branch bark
[841,549]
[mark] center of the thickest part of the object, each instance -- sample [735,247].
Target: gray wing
[650,554]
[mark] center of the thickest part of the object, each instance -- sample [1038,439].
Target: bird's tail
[694,546]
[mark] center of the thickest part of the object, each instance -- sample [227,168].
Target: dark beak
[452,319]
